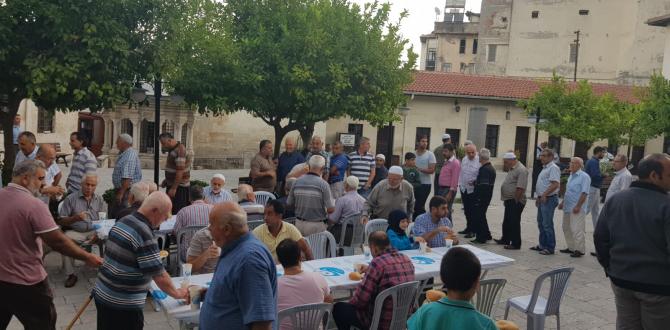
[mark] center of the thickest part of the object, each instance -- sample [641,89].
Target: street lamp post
[403,111]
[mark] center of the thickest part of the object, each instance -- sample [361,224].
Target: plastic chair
[322,245]
[291,220]
[262,197]
[537,308]
[488,294]
[254,223]
[183,240]
[307,317]
[375,225]
[402,296]
[357,234]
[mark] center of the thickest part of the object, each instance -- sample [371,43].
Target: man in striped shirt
[196,214]
[177,171]
[311,199]
[131,261]
[128,170]
[83,162]
[362,166]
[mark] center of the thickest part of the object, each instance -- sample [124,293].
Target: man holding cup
[78,211]
[132,261]
[434,226]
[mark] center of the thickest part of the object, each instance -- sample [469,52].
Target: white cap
[396,170]
[446,137]
[219,176]
[380,156]
[509,155]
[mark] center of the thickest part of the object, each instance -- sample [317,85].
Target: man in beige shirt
[392,193]
[263,172]
[513,194]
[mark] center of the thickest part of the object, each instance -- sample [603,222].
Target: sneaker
[469,235]
[594,254]
[536,248]
[476,241]
[501,242]
[566,251]
[546,252]
[512,247]
[576,254]
[71,281]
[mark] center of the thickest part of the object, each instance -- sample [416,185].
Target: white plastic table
[336,271]
[106,225]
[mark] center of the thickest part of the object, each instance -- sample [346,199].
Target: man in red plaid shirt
[388,268]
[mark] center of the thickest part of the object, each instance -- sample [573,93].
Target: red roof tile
[512,88]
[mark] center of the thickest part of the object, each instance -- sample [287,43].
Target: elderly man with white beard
[392,193]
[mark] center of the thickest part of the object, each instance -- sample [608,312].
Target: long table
[106,226]
[336,271]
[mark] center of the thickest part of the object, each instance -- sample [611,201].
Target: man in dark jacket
[632,239]
[486,178]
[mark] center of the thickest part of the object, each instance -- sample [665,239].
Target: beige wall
[445,39]
[64,124]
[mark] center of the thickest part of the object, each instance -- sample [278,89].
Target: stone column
[106,142]
[136,132]
[115,134]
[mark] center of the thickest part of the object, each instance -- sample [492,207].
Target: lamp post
[403,111]
[139,95]
[535,119]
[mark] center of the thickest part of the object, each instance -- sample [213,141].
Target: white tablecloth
[106,225]
[336,271]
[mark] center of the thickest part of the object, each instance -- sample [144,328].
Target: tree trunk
[582,149]
[306,133]
[7,122]
[280,132]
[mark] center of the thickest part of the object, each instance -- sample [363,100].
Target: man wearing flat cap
[513,194]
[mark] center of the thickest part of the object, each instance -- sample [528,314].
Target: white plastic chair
[322,244]
[307,317]
[262,197]
[375,225]
[357,234]
[537,308]
[402,296]
[488,294]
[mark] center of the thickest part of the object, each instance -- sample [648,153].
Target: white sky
[421,16]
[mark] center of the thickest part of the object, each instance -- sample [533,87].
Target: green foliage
[199,183]
[654,107]
[109,196]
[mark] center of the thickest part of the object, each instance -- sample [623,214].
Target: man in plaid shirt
[388,268]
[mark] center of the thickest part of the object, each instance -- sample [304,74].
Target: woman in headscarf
[398,223]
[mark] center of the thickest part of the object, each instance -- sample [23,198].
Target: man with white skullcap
[215,193]
[127,170]
[392,193]
[513,194]
[349,204]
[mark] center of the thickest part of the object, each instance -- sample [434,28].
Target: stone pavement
[588,303]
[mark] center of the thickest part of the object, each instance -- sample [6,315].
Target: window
[421,132]
[583,12]
[535,14]
[474,46]
[508,115]
[430,59]
[463,68]
[455,135]
[613,148]
[573,53]
[492,132]
[147,136]
[45,121]
[356,129]
[461,49]
[127,127]
[168,127]
[554,142]
[446,67]
[184,135]
[491,56]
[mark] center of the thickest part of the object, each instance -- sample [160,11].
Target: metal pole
[157,125]
[404,126]
[574,78]
[537,121]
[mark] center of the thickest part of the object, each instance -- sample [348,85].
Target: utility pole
[574,78]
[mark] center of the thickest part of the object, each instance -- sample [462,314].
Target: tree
[64,54]
[293,63]
[574,112]
[655,105]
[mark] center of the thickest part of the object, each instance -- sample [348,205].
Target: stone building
[530,38]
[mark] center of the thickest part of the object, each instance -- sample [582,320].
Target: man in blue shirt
[593,170]
[434,226]
[339,163]
[243,291]
[574,212]
[16,130]
[289,158]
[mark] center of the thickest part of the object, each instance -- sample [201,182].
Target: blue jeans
[545,223]
[364,192]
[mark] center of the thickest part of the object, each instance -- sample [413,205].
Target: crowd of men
[321,190]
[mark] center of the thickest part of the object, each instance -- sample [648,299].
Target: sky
[421,16]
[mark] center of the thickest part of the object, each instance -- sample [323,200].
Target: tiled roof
[512,88]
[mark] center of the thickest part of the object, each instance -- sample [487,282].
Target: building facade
[451,47]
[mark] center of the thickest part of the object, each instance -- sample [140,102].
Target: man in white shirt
[425,163]
[46,153]
[27,148]
[466,181]
[622,177]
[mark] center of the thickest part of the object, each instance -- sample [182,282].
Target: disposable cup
[102,215]
[366,252]
[194,294]
[448,243]
[185,283]
[423,246]
[186,269]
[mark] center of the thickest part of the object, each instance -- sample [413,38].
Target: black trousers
[469,207]
[112,319]
[345,316]
[512,222]
[480,224]
[181,199]
[421,195]
[31,304]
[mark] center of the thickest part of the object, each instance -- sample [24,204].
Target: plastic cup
[194,294]
[186,269]
[185,283]
[102,215]
[448,243]
[423,246]
[366,252]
